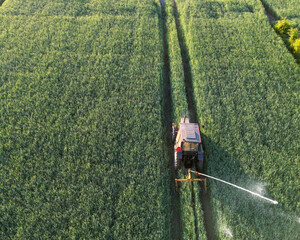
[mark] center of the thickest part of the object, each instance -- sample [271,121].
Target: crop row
[75,8]
[179,99]
[245,85]
[81,144]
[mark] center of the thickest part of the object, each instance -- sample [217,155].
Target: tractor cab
[188,151]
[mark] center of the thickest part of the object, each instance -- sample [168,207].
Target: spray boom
[233,185]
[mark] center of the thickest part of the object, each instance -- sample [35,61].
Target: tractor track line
[186,66]
[176,225]
[273,17]
[194,212]
[204,198]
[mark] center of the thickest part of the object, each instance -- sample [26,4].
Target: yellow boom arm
[190,179]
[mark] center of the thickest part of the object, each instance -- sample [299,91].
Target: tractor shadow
[237,208]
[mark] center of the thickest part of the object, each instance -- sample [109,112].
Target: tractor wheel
[199,166]
[173,137]
[174,132]
[176,161]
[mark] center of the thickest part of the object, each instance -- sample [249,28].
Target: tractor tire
[174,132]
[199,166]
[176,161]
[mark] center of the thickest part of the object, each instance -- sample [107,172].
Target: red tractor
[188,150]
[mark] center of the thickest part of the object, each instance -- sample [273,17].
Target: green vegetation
[283,26]
[81,149]
[288,26]
[293,35]
[75,8]
[289,34]
[296,45]
[179,100]
[285,8]
[246,90]
[198,189]
[192,214]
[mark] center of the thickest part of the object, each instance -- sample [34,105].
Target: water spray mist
[233,185]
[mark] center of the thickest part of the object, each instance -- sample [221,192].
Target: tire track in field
[204,197]
[186,67]
[271,17]
[194,212]
[176,225]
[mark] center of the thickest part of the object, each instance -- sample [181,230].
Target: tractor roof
[190,132]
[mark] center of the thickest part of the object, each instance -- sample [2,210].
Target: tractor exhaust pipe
[233,185]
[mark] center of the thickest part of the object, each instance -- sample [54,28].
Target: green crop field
[289,9]
[288,24]
[74,8]
[246,89]
[81,146]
